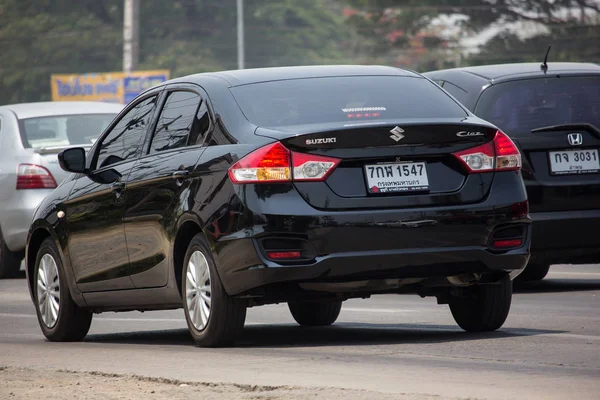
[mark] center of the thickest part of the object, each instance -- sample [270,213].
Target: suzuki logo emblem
[397,133]
[575,139]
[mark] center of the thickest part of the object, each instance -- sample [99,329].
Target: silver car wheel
[48,290]
[198,292]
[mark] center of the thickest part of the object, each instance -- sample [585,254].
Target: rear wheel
[10,261]
[214,318]
[59,317]
[533,272]
[315,313]
[482,308]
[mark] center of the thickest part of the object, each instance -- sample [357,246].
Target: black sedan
[307,185]
[552,113]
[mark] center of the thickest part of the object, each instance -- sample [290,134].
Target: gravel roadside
[21,384]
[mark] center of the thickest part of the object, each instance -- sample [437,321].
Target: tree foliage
[43,37]
[573,26]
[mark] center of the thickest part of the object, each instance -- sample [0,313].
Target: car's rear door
[555,121]
[161,181]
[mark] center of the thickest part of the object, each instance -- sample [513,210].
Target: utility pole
[131,35]
[240,34]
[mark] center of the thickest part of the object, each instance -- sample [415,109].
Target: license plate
[574,161]
[396,177]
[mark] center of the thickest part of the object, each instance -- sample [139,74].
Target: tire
[483,308]
[533,273]
[213,317]
[70,323]
[315,313]
[10,261]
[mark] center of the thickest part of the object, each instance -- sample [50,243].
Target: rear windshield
[520,106]
[63,130]
[343,99]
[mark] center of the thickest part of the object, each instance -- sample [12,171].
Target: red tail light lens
[501,154]
[274,163]
[30,176]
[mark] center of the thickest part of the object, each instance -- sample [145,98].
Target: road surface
[392,346]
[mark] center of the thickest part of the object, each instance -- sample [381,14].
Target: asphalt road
[549,347]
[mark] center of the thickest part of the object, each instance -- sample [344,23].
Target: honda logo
[575,139]
[397,133]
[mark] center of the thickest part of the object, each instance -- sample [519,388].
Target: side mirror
[72,160]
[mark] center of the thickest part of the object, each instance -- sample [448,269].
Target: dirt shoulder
[21,383]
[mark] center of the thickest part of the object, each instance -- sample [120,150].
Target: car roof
[257,75]
[52,108]
[516,70]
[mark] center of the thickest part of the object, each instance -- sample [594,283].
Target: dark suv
[552,113]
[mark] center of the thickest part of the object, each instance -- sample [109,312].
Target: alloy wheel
[198,291]
[48,290]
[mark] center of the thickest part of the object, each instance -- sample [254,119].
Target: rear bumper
[344,246]
[569,237]
[16,215]
[368,265]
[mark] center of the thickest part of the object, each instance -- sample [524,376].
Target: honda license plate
[397,177]
[574,161]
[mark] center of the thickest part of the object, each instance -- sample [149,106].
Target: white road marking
[574,273]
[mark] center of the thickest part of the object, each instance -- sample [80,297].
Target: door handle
[179,176]
[117,188]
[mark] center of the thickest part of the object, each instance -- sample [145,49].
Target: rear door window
[344,99]
[183,121]
[518,107]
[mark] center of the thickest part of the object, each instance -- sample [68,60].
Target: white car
[31,136]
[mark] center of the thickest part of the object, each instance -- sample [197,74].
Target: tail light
[274,163]
[30,176]
[500,154]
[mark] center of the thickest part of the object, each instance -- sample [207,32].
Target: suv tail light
[30,176]
[500,154]
[274,163]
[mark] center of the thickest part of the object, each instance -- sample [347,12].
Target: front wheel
[59,317]
[482,308]
[213,317]
[315,313]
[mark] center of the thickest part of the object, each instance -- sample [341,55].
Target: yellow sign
[112,87]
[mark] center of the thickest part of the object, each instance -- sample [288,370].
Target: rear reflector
[283,255]
[502,244]
[274,163]
[500,154]
[30,176]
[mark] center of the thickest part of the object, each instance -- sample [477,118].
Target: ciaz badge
[467,134]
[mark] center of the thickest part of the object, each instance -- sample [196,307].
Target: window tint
[520,106]
[344,100]
[125,140]
[179,124]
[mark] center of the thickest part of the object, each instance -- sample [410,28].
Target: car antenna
[544,66]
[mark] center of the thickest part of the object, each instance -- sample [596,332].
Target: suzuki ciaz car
[307,185]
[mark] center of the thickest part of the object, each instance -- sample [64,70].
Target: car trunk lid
[403,163]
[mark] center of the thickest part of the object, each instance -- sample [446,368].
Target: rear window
[63,130]
[520,106]
[343,99]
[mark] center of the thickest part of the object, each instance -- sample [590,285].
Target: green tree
[43,37]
